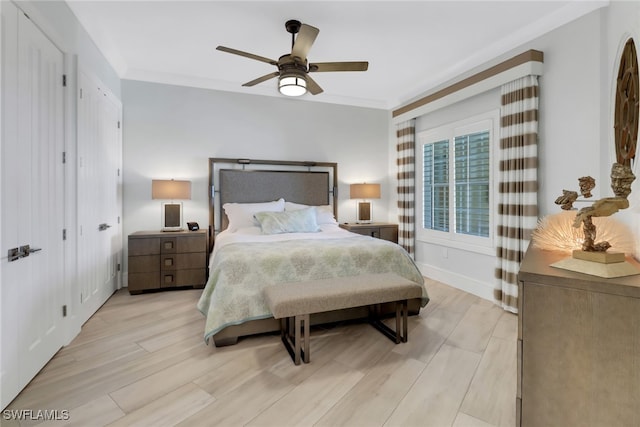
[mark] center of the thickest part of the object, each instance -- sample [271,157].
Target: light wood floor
[141,360]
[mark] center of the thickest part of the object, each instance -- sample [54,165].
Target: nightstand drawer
[144,263]
[148,246]
[183,261]
[195,243]
[389,233]
[143,281]
[194,277]
[379,230]
[367,231]
[183,244]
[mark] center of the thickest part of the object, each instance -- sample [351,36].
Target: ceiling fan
[293,68]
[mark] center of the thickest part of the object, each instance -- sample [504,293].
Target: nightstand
[380,230]
[159,260]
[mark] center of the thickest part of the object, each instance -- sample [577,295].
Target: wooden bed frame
[253,181]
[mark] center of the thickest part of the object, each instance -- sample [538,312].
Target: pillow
[240,215]
[324,213]
[298,221]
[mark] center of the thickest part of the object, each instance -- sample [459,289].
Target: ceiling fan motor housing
[293,26]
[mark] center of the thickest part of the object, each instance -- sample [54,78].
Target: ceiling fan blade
[262,79]
[247,55]
[319,67]
[312,86]
[306,36]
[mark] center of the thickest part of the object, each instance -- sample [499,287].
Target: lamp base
[172,216]
[364,212]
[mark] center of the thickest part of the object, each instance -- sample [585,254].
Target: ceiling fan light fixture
[292,85]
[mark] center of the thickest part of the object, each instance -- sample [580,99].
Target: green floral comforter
[239,272]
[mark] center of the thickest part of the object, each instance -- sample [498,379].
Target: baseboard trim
[458,281]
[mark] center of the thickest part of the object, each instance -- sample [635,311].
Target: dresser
[578,346]
[379,230]
[160,260]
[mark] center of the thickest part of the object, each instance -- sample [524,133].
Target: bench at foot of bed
[293,303]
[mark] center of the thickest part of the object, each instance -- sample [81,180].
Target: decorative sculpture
[621,179]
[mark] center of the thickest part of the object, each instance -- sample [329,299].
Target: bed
[278,226]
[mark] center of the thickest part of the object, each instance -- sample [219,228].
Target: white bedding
[254,234]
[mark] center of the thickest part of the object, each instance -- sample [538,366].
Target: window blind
[436,186]
[471,169]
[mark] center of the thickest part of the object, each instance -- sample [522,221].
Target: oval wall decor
[627,107]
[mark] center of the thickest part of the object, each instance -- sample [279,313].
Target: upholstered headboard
[252,181]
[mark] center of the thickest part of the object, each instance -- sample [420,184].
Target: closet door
[32,202]
[99,193]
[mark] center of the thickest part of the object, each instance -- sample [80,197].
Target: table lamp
[364,192]
[171,211]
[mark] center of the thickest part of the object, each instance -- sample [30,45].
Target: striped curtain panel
[518,195]
[406,137]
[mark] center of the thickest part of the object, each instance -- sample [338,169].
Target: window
[454,191]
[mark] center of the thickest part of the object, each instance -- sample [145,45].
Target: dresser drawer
[183,261]
[183,244]
[143,281]
[368,231]
[196,243]
[147,246]
[193,277]
[144,263]
[379,230]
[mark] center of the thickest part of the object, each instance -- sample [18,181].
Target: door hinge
[64,311]
[80,93]
[64,234]
[118,269]
[118,171]
[118,220]
[64,80]
[118,124]
[64,157]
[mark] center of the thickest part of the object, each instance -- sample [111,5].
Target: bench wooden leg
[401,333]
[293,340]
[306,354]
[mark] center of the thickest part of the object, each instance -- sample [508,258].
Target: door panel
[99,196]
[33,209]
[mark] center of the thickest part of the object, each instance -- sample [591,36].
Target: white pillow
[240,215]
[324,213]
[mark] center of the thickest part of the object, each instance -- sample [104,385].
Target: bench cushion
[317,296]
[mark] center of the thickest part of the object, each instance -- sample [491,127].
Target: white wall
[573,134]
[171,131]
